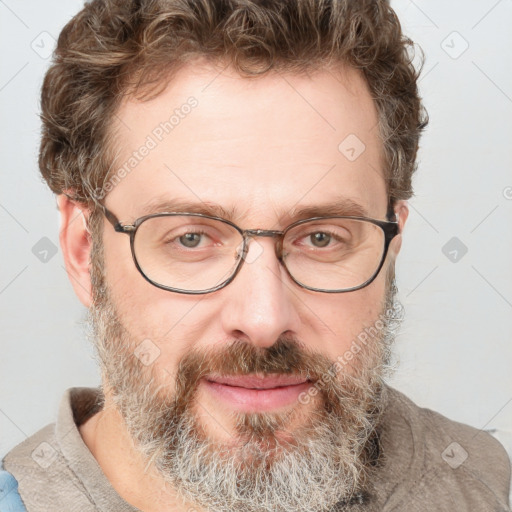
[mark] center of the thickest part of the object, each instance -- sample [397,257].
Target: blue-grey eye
[190,240]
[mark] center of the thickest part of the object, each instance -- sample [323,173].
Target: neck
[107,438]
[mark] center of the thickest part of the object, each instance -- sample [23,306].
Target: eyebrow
[161,205]
[340,207]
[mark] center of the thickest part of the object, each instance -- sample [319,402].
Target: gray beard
[326,461]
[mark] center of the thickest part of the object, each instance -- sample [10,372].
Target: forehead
[257,147]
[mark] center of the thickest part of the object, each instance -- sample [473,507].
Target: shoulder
[459,442]
[445,461]
[32,461]
[35,454]
[50,465]
[45,480]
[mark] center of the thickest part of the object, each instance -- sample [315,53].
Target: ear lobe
[76,245]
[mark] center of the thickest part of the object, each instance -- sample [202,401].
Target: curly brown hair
[114,48]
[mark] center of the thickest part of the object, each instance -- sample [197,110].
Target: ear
[402,212]
[76,245]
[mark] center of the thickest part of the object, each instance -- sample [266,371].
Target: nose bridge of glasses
[250,233]
[269,233]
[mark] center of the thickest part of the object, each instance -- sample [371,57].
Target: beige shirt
[60,455]
[429,463]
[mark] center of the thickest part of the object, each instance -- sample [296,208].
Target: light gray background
[455,347]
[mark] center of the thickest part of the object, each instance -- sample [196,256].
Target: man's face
[261,150]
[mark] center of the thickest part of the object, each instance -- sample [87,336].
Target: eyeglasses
[195,253]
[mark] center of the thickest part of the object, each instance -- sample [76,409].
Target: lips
[256,393]
[259,382]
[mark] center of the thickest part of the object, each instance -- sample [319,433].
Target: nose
[260,304]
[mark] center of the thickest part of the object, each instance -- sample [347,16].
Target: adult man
[259,157]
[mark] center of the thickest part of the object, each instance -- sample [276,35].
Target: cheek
[145,310]
[167,324]
[120,270]
[341,318]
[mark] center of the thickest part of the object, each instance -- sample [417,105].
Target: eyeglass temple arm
[391,215]
[113,220]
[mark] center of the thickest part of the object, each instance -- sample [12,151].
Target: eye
[320,239]
[331,237]
[190,240]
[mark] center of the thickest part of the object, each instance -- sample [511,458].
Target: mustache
[238,358]
[287,356]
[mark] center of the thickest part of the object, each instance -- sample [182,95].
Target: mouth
[257,393]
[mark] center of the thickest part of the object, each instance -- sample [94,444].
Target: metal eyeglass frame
[390,229]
